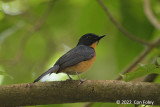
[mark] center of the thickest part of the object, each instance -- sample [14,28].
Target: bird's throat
[94,45]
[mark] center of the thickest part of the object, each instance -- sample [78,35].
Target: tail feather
[50,71]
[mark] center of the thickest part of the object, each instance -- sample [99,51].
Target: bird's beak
[100,37]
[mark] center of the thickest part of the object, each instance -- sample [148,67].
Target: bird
[77,60]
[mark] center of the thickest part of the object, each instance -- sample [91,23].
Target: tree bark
[70,92]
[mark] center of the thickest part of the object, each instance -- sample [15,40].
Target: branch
[72,92]
[151,17]
[123,30]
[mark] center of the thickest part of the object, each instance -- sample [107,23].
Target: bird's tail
[51,70]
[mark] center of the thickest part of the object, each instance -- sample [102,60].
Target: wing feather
[75,56]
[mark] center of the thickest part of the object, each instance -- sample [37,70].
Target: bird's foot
[29,85]
[82,81]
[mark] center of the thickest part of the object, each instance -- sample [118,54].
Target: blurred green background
[35,33]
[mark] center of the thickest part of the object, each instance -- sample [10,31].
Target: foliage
[142,71]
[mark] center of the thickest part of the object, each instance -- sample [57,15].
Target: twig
[151,77]
[71,92]
[141,57]
[151,17]
[123,30]
[135,62]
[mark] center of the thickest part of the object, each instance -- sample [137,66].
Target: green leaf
[141,71]
[5,74]
[158,60]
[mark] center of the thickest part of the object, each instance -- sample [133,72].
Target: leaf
[141,71]
[158,60]
[5,74]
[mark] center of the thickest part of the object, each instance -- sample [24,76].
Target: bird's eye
[88,37]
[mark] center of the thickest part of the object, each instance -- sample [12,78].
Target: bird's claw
[82,81]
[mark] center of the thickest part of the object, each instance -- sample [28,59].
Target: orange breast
[80,67]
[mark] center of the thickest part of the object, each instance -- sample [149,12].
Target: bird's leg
[69,77]
[81,80]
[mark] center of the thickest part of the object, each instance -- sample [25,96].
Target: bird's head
[90,39]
